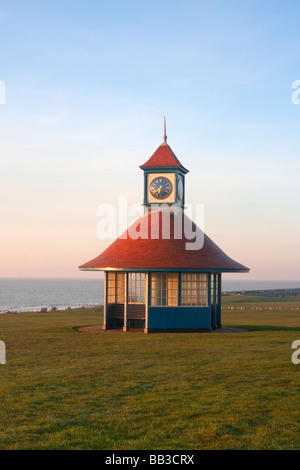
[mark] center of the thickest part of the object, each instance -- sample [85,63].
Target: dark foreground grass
[62,389]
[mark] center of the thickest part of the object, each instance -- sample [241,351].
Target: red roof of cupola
[163,157]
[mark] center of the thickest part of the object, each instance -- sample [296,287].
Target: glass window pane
[136,287]
[164,289]
[194,289]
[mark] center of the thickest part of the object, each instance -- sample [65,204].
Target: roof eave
[199,270]
[164,168]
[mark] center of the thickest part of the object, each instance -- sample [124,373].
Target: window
[136,288]
[194,289]
[164,289]
[212,289]
[115,288]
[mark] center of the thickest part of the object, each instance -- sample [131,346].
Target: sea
[31,294]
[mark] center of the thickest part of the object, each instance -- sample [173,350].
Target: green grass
[250,299]
[62,389]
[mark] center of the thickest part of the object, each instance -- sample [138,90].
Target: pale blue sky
[87,86]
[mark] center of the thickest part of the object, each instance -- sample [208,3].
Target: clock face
[160,187]
[180,189]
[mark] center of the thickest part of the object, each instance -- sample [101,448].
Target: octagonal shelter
[163,273]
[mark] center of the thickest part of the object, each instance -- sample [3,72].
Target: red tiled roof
[162,157]
[145,252]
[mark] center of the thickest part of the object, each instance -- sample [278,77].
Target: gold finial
[165,134]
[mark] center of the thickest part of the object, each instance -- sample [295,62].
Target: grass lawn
[62,389]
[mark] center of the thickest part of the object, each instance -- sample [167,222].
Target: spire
[165,134]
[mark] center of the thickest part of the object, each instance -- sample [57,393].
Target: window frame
[115,287]
[170,280]
[137,288]
[193,295]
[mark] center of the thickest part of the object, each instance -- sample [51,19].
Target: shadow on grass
[267,327]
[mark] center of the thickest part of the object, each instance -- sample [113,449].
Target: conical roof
[148,244]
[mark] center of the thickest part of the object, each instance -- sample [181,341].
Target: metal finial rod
[165,133]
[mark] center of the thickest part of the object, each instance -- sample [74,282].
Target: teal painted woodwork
[179,317]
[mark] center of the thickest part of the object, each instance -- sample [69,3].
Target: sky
[85,87]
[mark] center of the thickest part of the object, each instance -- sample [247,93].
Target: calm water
[34,294]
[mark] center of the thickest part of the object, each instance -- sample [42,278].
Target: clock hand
[157,191]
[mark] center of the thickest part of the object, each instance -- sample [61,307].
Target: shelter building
[163,273]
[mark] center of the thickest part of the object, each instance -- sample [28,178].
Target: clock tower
[164,179]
